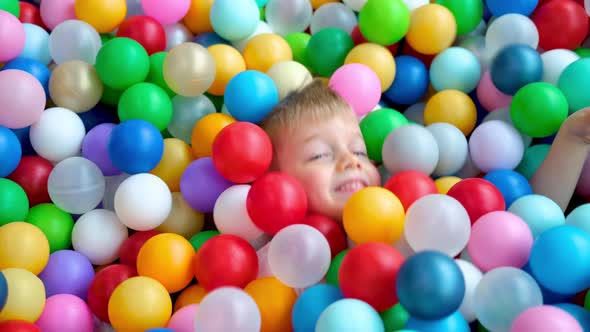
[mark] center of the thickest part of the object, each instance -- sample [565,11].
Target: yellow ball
[373,214]
[177,156]
[26,296]
[139,304]
[103,15]
[445,183]
[289,76]
[205,131]
[376,57]
[183,220]
[266,49]
[318,3]
[228,63]
[197,18]
[275,301]
[167,258]
[191,295]
[23,245]
[454,107]
[432,29]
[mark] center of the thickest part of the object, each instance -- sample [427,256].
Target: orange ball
[103,15]
[454,107]
[177,156]
[167,258]
[205,131]
[445,183]
[197,18]
[266,49]
[432,29]
[193,294]
[315,4]
[228,63]
[275,301]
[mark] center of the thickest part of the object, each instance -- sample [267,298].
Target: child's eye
[361,153]
[319,156]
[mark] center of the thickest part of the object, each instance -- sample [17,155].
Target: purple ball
[201,184]
[67,272]
[94,148]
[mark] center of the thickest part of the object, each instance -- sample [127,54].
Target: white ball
[415,113]
[472,276]
[58,134]
[452,148]
[231,216]
[469,170]
[554,63]
[355,5]
[262,27]
[410,147]
[143,202]
[503,114]
[289,76]
[98,235]
[414,4]
[511,29]
[333,15]
[496,145]
[112,183]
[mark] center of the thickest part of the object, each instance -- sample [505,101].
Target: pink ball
[545,318]
[489,96]
[22,99]
[498,239]
[358,85]
[66,312]
[184,319]
[12,36]
[166,11]
[54,12]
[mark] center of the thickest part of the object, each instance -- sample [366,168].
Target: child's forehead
[339,125]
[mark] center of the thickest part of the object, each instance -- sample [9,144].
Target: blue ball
[430,285]
[25,142]
[539,212]
[3,291]
[515,66]
[452,323]
[549,297]
[579,313]
[511,184]
[502,7]
[560,259]
[411,81]
[311,303]
[10,151]
[209,38]
[455,68]
[234,20]
[349,315]
[99,114]
[36,44]
[250,96]
[135,146]
[33,67]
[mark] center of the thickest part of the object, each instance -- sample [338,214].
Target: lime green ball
[298,42]
[376,126]
[11,6]
[122,62]
[14,203]
[532,159]
[394,318]
[198,239]
[538,109]
[467,13]
[384,22]
[56,224]
[573,82]
[332,275]
[583,52]
[146,101]
[111,96]
[327,49]
[262,13]
[156,74]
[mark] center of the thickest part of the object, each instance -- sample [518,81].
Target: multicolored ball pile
[136,195]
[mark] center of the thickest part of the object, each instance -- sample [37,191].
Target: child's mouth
[351,186]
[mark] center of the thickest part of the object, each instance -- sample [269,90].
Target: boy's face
[329,158]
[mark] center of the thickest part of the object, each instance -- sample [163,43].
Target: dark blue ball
[411,81]
[25,142]
[511,184]
[209,38]
[3,291]
[515,66]
[33,67]
[99,114]
[136,146]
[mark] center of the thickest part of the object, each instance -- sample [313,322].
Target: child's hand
[577,126]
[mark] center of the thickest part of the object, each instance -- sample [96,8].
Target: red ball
[146,31]
[478,197]
[18,326]
[333,232]
[561,24]
[275,201]
[32,174]
[225,260]
[409,186]
[369,271]
[130,248]
[30,13]
[358,38]
[103,285]
[242,152]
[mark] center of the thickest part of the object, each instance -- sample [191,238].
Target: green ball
[573,82]
[156,74]
[198,239]
[532,159]
[468,13]
[11,6]
[394,318]
[122,62]
[56,224]
[111,96]
[327,49]
[146,101]
[376,126]
[332,275]
[298,42]
[538,109]
[384,22]
[583,52]
[14,203]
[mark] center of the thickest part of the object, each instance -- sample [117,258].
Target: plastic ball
[570,84]
[333,270]
[495,145]
[187,113]
[311,303]
[349,314]
[261,28]
[176,34]
[146,101]
[36,44]
[376,57]
[287,16]
[511,184]
[130,248]
[384,22]
[409,186]
[577,311]
[250,96]
[23,246]
[545,317]
[515,66]
[166,12]
[331,230]
[11,7]
[452,323]
[453,107]
[478,197]
[103,285]
[146,30]
[141,137]
[231,216]
[14,204]
[103,16]
[197,19]
[468,14]
[554,63]
[118,74]
[33,67]
[65,312]
[500,8]
[27,296]
[10,150]
[326,51]
[358,85]
[228,63]
[94,148]
[264,50]
[54,12]
[503,114]
[155,75]
[275,311]
[13,37]
[56,224]
[18,325]
[58,134]
[239,311]
[138,304]
[22,99]
[212,268]
[205,131]
[183,319]
[98,234]
[234,20]
[410,82]
[376,126]
[189,69]
[443,184]
[539,212]
[422,155]
[31,174]
[298,42]
[74,40]
[452,148]
[578,216]
[201,184]
[539,109]
[336,15]
[572,26]
[177,156]
[289,76]
[432,29]
[191,295]
[67,272]
[455,68]
[182,220]
[511,29]
[472,276]
[75,85]
[489,96]
[208,39]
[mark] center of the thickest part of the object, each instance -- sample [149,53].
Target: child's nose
[350,161]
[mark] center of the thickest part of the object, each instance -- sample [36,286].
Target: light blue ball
[455,68]
[310,305]
[349,315]
[234,19]
[10,151]
[539,212]
[250,96]
[452,323]
[36,44]
[580,217]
